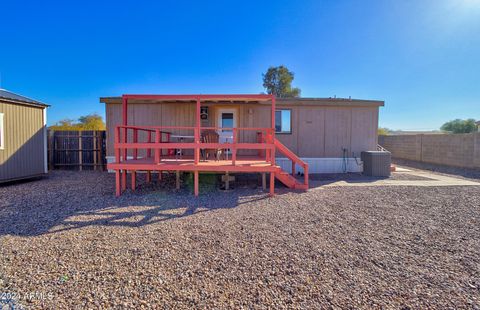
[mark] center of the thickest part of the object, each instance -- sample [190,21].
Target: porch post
[234,146]
[157,141]
[197,147]
[124,109]
[117,141]
[197,133]
[125,133]
[117,160]
[149,150]
[135,140]
[273,131]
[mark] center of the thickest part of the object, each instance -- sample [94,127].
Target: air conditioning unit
[376,163]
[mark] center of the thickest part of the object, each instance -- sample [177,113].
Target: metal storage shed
[23,137]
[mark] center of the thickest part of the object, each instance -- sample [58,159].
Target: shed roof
[16,98]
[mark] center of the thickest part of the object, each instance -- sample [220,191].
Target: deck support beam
[124,180]
[118,190]
[195,183]
[272,183]
[227,181]
[134,179]
[264,181]
[177,180]
[149,176]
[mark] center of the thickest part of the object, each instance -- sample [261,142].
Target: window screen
[283,121]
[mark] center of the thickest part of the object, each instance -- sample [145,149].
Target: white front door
[227,118]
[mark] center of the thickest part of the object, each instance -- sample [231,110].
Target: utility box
[376,163]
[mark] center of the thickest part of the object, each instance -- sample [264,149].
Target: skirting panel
[324,165]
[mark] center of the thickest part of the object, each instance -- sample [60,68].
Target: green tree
[87,122]
[278,81]
[91,122]
[383,131]
[64,124]
[460,126]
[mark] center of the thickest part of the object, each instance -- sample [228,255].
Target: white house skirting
[324,165]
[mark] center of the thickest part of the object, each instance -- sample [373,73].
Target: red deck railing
[158,139]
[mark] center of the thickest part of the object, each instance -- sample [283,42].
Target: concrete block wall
[476,150]
[459,150]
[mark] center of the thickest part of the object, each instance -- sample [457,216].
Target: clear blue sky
[421,57]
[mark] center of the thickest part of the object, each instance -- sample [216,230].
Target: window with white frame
[283,121]
[2,136]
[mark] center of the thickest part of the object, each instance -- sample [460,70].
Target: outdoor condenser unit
[376,163]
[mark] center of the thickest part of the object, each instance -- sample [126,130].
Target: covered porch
[191,148]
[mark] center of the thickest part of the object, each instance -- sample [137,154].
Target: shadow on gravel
[72,200]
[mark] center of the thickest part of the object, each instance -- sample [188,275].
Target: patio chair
[211,137]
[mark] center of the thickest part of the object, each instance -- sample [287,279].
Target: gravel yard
[67,242]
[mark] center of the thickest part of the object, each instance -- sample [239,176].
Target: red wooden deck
[157,148]
[187,163]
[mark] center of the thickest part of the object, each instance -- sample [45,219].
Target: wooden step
[289,180]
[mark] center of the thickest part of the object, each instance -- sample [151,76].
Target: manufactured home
[23,137]
[249,133]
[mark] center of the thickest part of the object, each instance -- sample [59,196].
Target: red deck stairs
[286,178]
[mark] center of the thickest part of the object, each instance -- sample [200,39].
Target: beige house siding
[323,131]
[24,134]
[318,131]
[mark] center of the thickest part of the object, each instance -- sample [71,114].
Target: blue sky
[421,57]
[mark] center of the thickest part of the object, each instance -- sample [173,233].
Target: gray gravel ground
[67,242]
